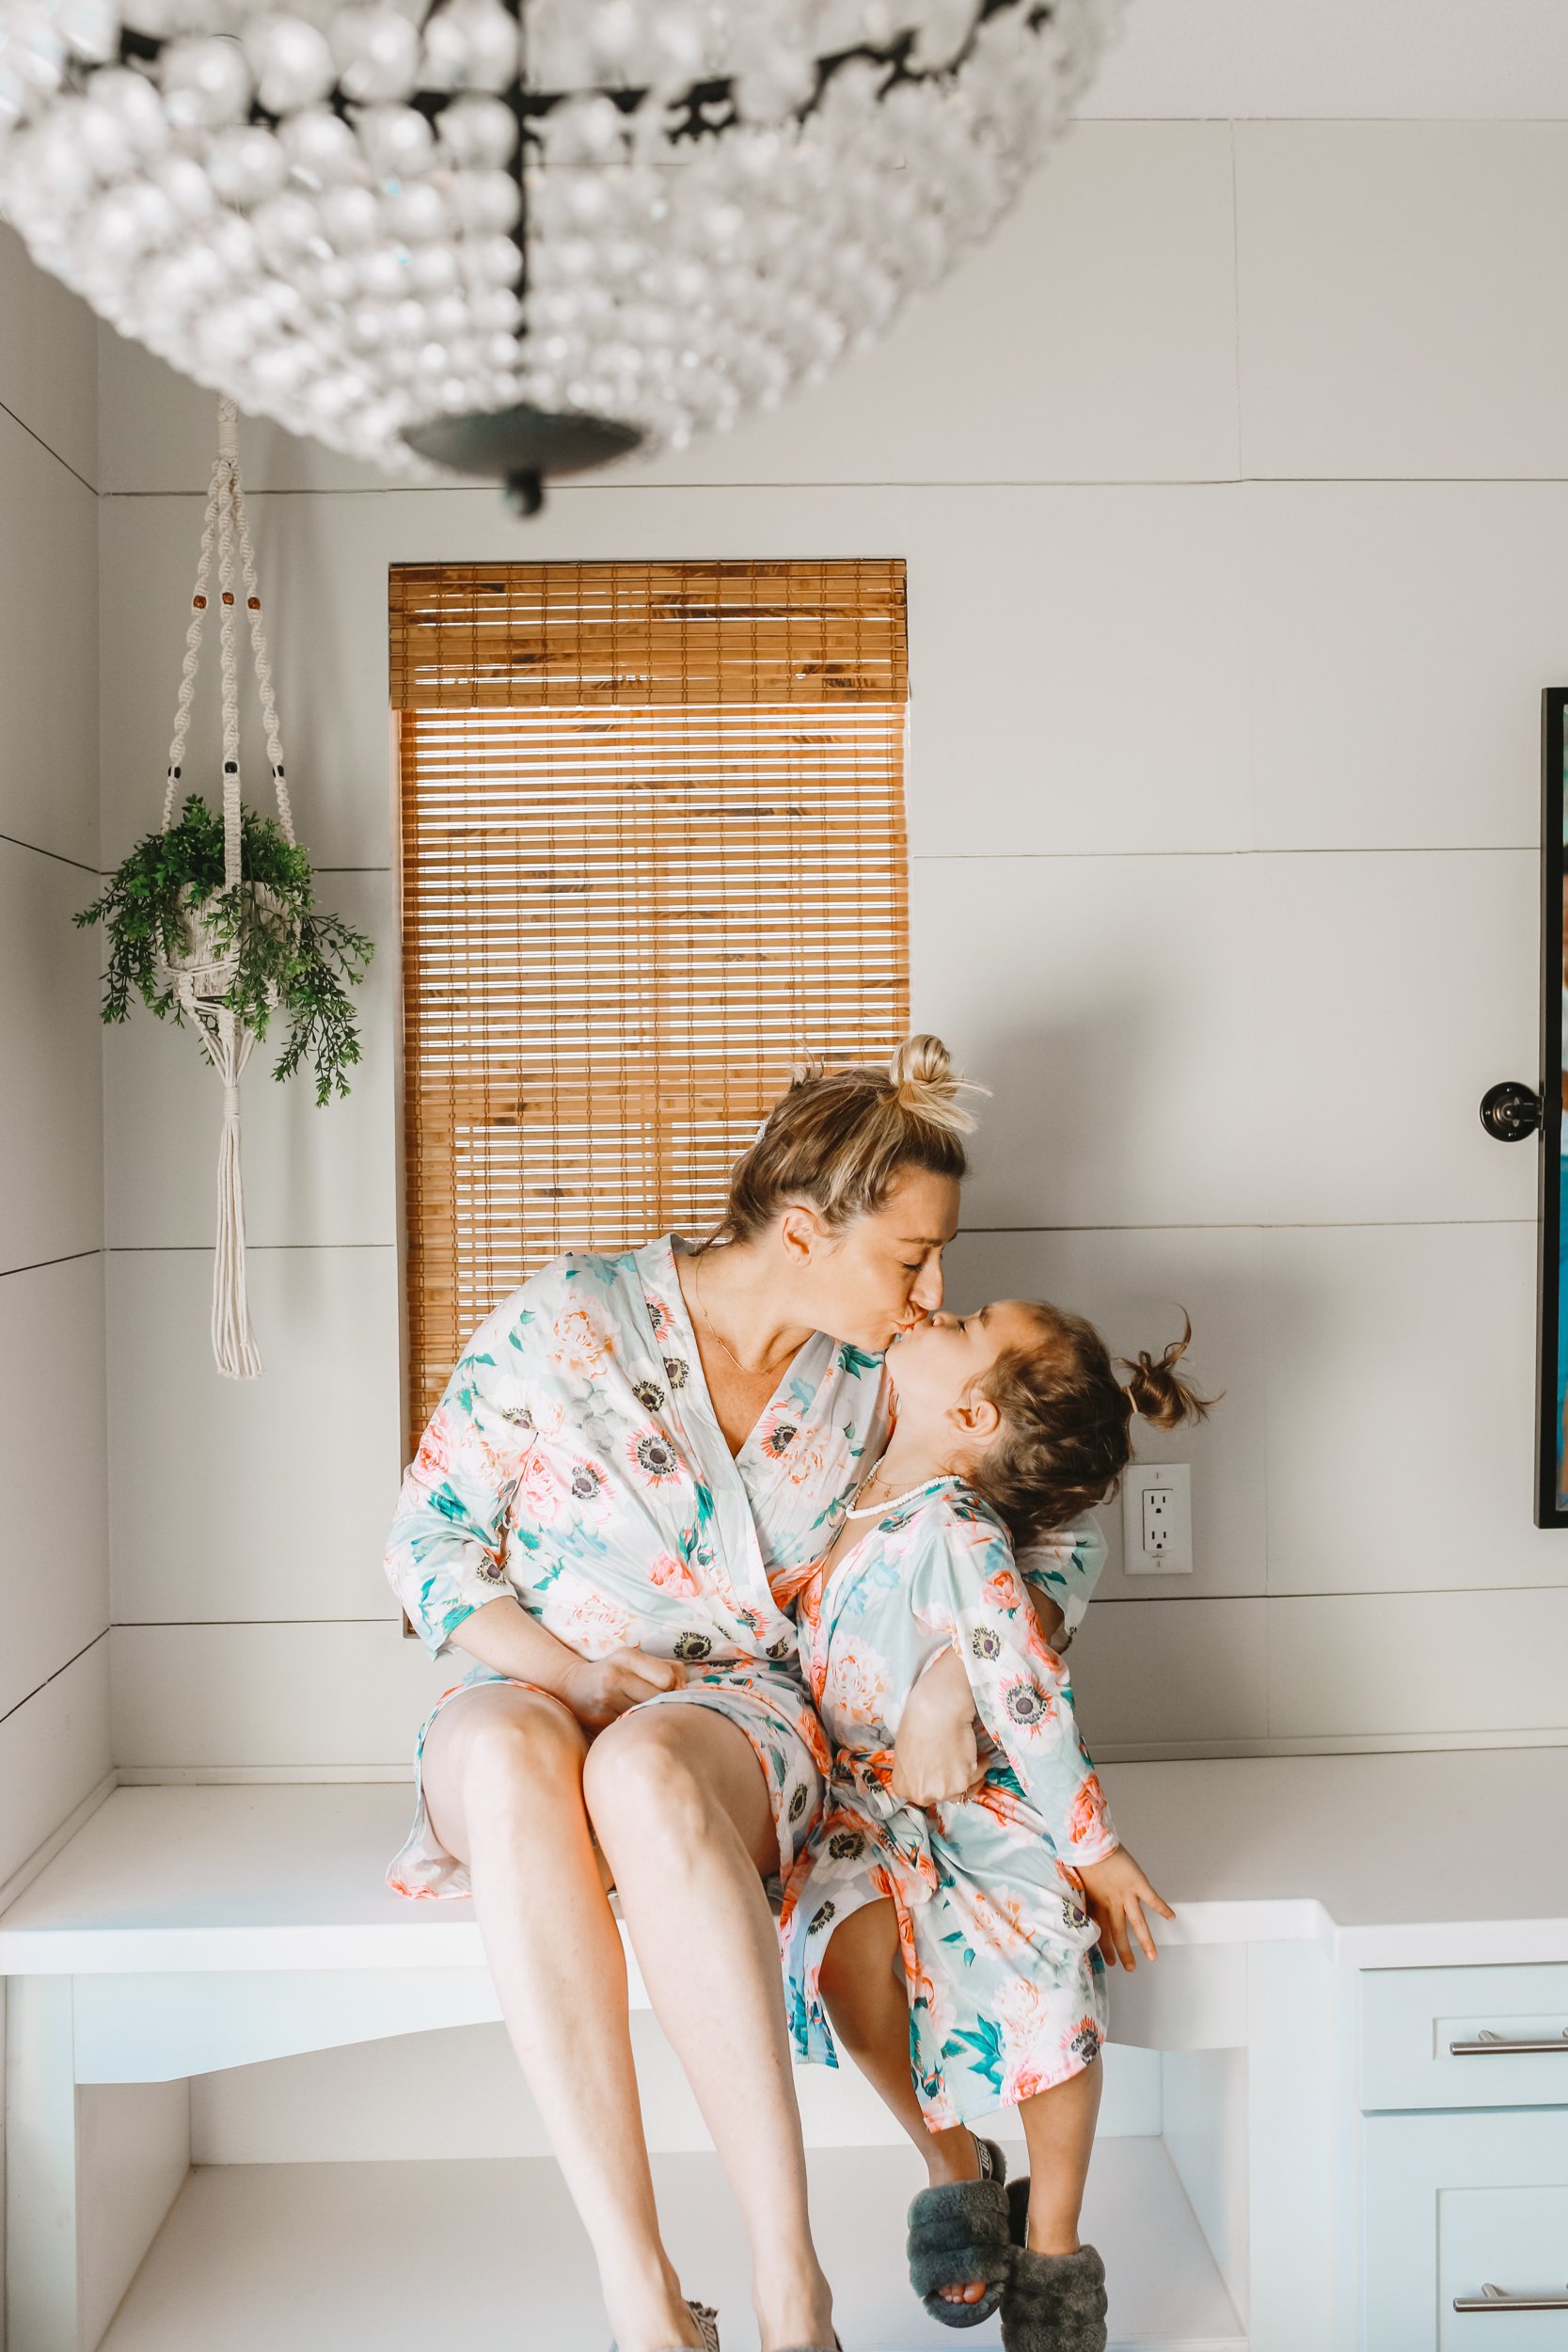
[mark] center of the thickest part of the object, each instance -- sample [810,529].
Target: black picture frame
[1551,1475]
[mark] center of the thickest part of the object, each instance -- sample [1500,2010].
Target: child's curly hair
[1065,1434]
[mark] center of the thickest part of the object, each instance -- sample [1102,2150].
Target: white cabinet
[1454,2203]
[1464,2193]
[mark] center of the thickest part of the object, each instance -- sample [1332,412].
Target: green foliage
[292,959]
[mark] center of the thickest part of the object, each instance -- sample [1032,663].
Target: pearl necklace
[879,1510]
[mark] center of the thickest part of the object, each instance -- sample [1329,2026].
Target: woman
[631,1467]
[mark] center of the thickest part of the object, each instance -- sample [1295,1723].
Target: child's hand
[1117,1891]
[935,1760]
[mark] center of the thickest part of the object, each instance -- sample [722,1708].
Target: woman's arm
[451,1532]
[502,1635]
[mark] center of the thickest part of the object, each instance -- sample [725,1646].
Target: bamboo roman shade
[653,849]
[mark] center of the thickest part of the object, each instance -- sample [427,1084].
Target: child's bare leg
[1058,2124]
[862,1985]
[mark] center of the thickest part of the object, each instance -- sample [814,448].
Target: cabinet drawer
[1455,2204]
[1425,2038]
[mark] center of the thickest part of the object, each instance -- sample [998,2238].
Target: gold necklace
[752,1372]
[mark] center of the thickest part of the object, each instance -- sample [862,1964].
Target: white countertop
[1451,1859]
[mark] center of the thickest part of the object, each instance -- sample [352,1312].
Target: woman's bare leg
[680,1805]
[503,1782]
[1058,2124]
[862,1985]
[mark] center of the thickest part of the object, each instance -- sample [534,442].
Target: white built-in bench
[1343,1921]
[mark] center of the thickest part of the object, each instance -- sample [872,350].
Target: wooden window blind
[653,849]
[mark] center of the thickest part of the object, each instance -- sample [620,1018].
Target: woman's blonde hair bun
[841,1134]
[925,1085]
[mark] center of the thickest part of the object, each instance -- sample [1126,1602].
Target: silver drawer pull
[1493,2298]
[1490,2044]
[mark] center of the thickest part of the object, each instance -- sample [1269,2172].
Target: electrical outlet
[1157,1518]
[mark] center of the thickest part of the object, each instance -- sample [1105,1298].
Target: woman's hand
[935,1760]
[1117,1891]
[597,1690]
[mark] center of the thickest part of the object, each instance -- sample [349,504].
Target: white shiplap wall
[1232,480]
[54,1556]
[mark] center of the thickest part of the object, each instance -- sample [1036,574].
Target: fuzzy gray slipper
[707,2325]
[1055,2303]
[959,2232]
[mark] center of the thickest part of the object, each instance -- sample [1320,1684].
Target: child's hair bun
[927,1087]
[1157,1392]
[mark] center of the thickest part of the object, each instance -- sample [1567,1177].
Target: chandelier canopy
[519,240]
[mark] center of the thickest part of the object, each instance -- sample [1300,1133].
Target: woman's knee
[640,1780]
[510,1756]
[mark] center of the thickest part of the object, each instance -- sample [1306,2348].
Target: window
[653,849]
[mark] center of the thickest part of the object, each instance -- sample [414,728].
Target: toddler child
[1010,1425]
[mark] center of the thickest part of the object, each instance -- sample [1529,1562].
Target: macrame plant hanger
[203,976]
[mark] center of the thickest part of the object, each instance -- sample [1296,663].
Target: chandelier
[519,240]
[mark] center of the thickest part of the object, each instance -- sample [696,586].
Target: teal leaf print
[986,2046]
[451,1505]
[855,1359]
[514,1336]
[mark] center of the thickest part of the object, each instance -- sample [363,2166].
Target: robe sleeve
[449,1530]
[1064,1567]
[963,1583]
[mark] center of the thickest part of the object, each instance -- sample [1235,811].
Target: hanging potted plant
[178,938]
[212,920]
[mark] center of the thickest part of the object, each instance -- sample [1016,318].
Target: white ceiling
[1430,59]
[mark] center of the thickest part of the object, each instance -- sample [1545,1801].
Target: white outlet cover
[1176,1558]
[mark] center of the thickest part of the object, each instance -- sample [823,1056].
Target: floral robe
[576,1463]
[1000,1960]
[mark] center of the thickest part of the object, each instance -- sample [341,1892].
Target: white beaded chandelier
[518,240]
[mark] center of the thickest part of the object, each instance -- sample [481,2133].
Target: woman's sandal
[961,2232]
[1055,2303]
[707,2325]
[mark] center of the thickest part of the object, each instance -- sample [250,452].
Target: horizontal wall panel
[48,646]
[1391,992]
[254,1498]
[1396,317]
[322,1175]
[1108,1003]
[1418,1663]
[1134,1286]
[1117,271]
[48,359]
[51,1079]
[1401,634]
[55,1564]
[215,1697]
[1153,1673]
[1077,657]
[1400,1378]
[1078,671]
[54,1753]
[1321,59]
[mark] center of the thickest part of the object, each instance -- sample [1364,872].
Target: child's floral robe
[1000,1959]
[576,1463]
